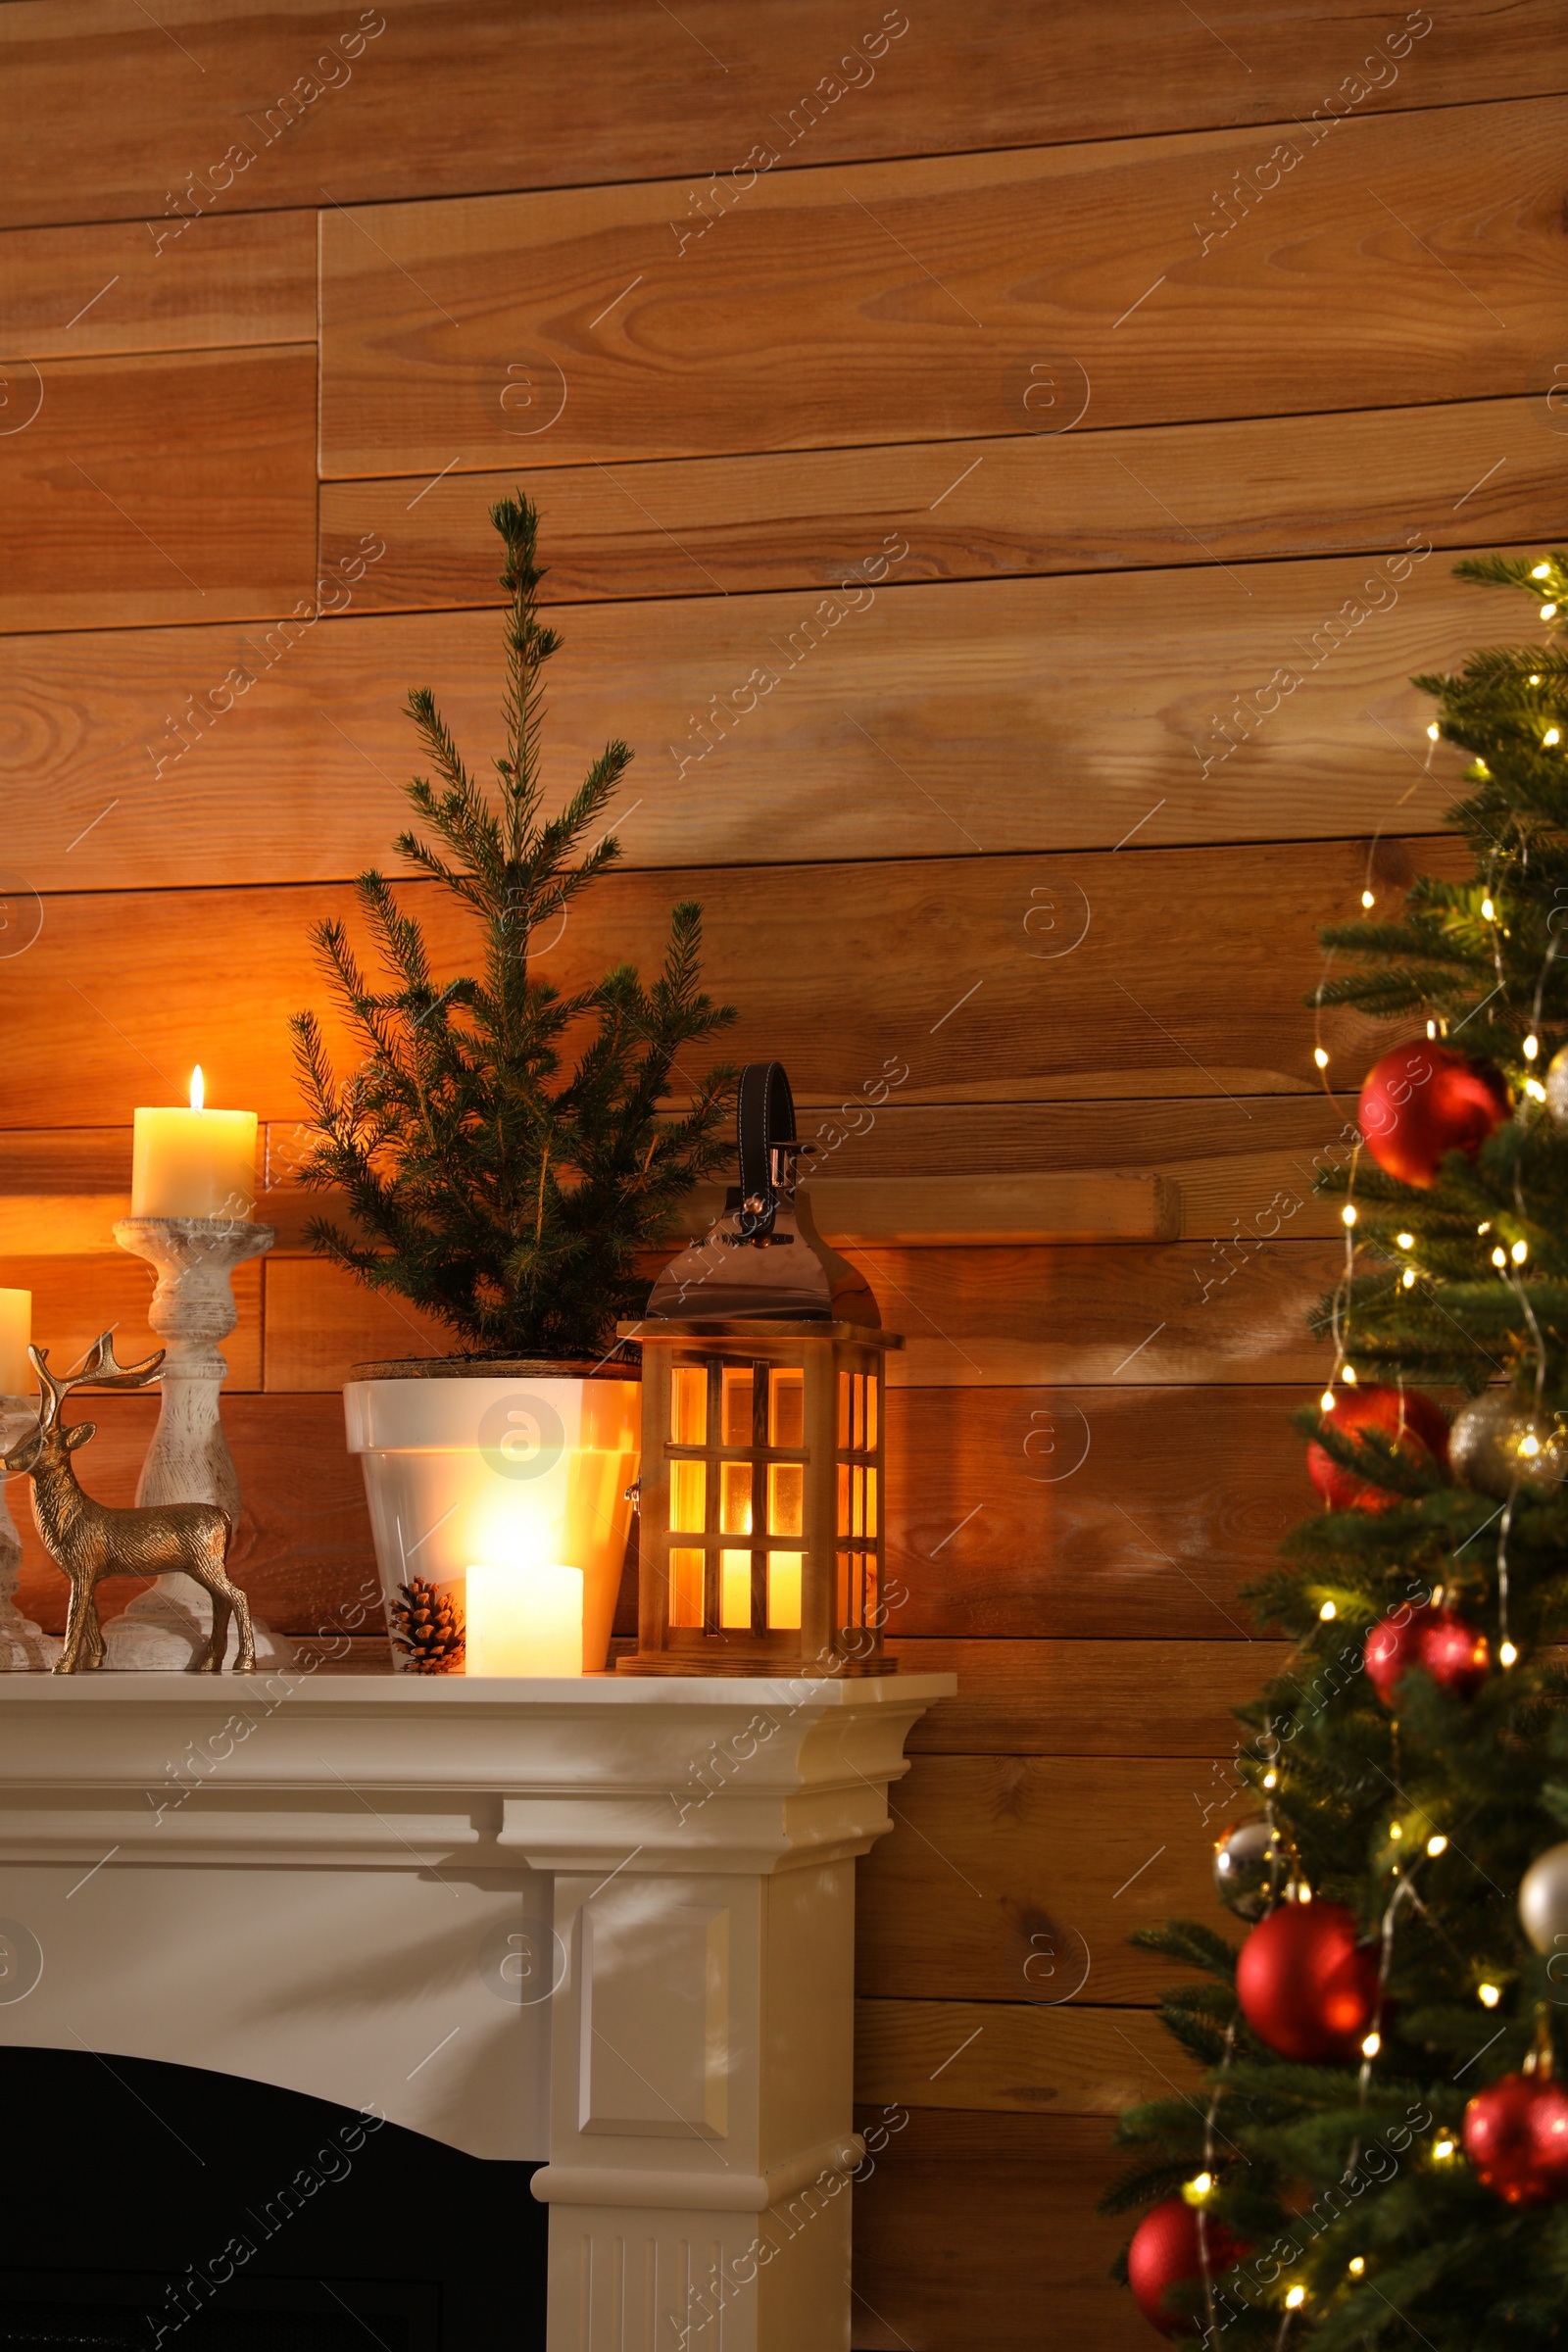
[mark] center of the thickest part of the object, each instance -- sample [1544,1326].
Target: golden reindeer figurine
[89,1541]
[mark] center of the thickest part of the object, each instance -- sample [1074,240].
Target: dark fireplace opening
[154,2208]
[61,2311]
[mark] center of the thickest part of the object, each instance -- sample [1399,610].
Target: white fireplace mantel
[607,1924]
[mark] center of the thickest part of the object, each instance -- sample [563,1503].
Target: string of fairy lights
[1412,1841]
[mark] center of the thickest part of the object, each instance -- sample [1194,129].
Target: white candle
[194,1164]
[17,1377]
[523,1620]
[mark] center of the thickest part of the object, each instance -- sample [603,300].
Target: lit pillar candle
[524,1619]
[16,1330]
[194,1164]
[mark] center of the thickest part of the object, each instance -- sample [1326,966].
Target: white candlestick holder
[188,1461]
[24,1646]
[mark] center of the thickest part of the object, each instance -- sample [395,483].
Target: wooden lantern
[761,1503]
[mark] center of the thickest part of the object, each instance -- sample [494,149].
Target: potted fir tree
[502,1153]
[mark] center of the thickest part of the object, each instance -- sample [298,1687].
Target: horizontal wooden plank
[411,112]
[1274,705]
[74,1300]
[109,520]
[1129,1511]
[923,1211]
[1010,1318]
[1074,1556]
[917,1213]
[981,2229]
[986,1317]
[572,328]
[320,1324]
[60,1224]
[1234,1178]
[1012,2057]
[1081,501]
[999,1865]
[329,1651]
[302,1548]
[1161,997]
[1236,1184]
[1084,1698]
[61,1188]
[108,286]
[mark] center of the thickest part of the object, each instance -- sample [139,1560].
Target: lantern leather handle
[765,1118]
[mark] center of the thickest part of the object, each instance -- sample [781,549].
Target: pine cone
[428,1629]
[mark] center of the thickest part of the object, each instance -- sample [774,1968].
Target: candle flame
[198,1090]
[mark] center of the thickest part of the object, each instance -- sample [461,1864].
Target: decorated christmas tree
[1378,2153]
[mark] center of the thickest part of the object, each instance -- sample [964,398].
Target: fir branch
[1189,1941]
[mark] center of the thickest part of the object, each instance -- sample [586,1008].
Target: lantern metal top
[764,1257]
[760,1327]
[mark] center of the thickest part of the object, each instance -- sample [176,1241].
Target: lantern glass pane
[857,1587]
[735,1588]
[786,1498]
[688,1497]
[685,1587]
[870,1503]
[873,1600]
[786,1408]
[844,1494]
[737,1405]
[688,1405]
[873,1385]
[844,1409]
[735,1498]
[784,1592]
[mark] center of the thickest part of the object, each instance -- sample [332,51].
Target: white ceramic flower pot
[502,1464]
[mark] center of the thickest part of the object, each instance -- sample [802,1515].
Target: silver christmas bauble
[1544,1899]
[1557,1088]
[1498,1443]
[1251,1868]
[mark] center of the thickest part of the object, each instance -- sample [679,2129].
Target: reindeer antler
[96,1370]
[50,1389]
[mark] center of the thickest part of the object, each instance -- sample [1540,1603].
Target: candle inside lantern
[194,1164]
[17,1377]
[524,1618]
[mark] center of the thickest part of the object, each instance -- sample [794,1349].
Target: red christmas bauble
[1410,1420]
[1307,1984]
[1516,2138]
[1164,2253]
[1425,1100]
[1456,1656]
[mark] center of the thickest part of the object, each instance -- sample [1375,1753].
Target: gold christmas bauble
[1557,1088]
[1498,1442]
[1544,1899]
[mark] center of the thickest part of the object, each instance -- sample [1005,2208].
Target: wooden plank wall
[1001,465]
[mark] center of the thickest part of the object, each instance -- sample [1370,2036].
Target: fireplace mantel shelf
[743,1774]
[608,1923]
